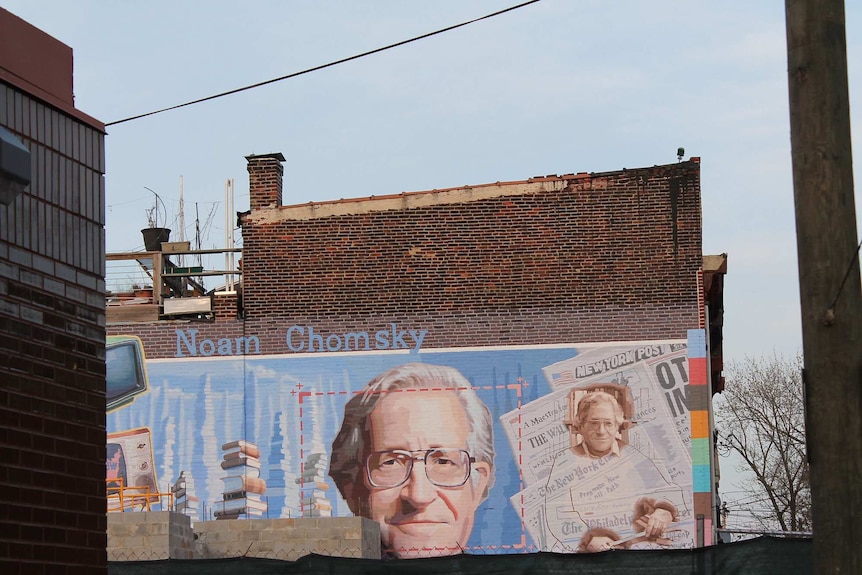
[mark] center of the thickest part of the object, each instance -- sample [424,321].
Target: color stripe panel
[697,370]
[697,343]
[699,424]
[700,451]
[702,480]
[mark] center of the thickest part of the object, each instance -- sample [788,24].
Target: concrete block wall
[289,539]
[150,536]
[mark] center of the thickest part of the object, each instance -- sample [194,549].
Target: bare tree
[761,418]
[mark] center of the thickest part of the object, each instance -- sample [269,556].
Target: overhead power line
[322,66]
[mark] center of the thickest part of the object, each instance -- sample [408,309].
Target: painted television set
[125,371]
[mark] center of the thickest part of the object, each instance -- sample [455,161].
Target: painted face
[600,429]
[418,518]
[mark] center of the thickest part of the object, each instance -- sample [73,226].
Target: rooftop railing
[174,282]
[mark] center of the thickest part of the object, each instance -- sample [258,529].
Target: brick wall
[52,340]
[589,257]
[586,257]
[226,306]
[266,172]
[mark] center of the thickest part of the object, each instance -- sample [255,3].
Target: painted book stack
[243,490]
[184,500]
[314,502]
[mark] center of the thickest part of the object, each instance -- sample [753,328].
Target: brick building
[502,271]
[580,257]
[597,257]
[52,315]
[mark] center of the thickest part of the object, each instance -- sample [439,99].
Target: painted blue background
[195,405]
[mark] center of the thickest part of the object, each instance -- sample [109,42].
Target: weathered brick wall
[159,338]
[226,306]
[608,256]
[52,343]
[267,171]
[587,257]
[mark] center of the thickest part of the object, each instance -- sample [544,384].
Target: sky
[556,87]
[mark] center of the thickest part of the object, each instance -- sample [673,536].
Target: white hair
[347,463]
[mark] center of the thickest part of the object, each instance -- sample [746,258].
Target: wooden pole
[829,282]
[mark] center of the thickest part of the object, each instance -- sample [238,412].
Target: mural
[566,448]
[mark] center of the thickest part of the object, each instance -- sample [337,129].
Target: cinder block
[251,535]
[117,530]
[284,534]
[238,524]
[333,533]
[258,524]
[299,533]
[181,554]
[352,533]
[212,526]
[289,551]
[135,542]
[337,521]
[119,518]
[154,529]
[156,540]
[283,523]
[309,522]
[262,548]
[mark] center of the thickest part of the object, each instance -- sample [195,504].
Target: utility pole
[829,282]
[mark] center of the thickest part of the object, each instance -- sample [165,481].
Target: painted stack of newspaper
[183,491]
[568,495]
[243,486]
[313,486]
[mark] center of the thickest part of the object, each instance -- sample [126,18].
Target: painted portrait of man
[416,454]
[598,420]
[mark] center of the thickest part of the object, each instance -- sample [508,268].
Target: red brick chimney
[265,180]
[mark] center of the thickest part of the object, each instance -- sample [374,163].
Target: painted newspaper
[604,456]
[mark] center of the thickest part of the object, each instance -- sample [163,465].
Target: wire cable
[322,66]
[831,307]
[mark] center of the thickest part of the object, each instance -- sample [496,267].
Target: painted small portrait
[598,418]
